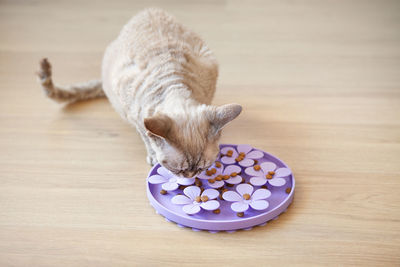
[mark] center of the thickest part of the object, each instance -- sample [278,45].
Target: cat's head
[187,143]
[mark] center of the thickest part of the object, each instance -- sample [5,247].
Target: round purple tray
[279,199]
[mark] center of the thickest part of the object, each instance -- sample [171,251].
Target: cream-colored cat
[161,78]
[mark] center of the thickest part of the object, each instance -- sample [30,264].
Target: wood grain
[320,86]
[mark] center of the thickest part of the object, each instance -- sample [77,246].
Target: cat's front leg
[151,160]
[151,155]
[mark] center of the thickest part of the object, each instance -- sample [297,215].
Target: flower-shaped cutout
[245,197]
[193,201]
[267,172]
[168,180]
[244,155]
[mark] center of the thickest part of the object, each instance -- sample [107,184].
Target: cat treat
[163,192]
[198,182]
[217,211]
[229,153]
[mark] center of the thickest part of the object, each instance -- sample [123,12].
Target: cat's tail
[67,94]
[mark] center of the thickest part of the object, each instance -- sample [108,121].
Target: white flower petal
[219,170]
[231,168]
[277,181]
[210,193]
[244,189]
[234,180]
[246,162]
[244,148]
[259,204]
[261,194]
[191,208]
[185,181]
[228,160]
[239,206]
[252,172]
[258,181]
[256,154]
[268,166]
[216,184]
[164,172]
[169,186]
[282,172]
[157,179]
[210,205]
[181,199]
[192,192]
[231,196]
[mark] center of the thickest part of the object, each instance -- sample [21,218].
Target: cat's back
[153,31]
[152,39]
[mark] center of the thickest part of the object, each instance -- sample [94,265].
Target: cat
[160,77]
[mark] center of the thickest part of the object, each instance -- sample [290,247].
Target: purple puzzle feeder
[244,188]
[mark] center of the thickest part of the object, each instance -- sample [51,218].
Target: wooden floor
[320,86]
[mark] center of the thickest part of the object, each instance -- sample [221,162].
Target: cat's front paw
[151,160]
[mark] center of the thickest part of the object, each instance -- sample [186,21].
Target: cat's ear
[158,126]
[224,114]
